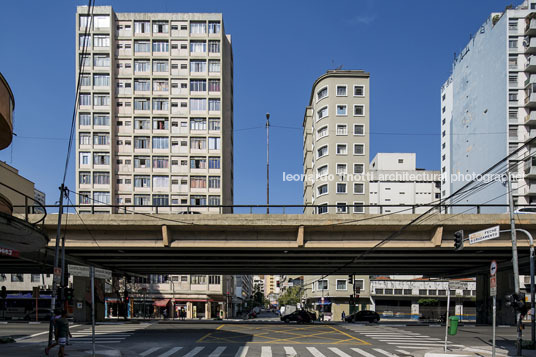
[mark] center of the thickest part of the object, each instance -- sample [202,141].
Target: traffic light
[350,279]
[458,240]
[517,302]
[3,292]
[125,293]
[352,300]
[69,294]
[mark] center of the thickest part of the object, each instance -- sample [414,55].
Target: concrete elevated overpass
[301,244]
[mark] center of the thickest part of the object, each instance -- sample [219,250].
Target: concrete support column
[415,310]
[207,310]
[484,302]
[189,310]
[82,295]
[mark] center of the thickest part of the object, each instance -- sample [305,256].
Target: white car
[525,210]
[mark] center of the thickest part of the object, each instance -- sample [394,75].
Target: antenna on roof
[339,68]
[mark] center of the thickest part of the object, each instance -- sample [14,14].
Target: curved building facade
[336,143]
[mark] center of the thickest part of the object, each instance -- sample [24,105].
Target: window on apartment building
[160,66]
[85,80]
[198,200]
[198,163]
[214,66]
[142,27]
[198,182]
[214,85]
[512,62]
[85,62]
[198,124]
[359,129]
[323,189]
[198,143]
[101,60]
[198,47]
[101,139]
[359,91]
[359,207]
[101,41]
[198,279]
[100,158]
[17,278]
[198,104]
[142,47]
[388,291]
[85,41]
[160,162]
[359,284]
[160,85]
[214,104]
[322,113]
[101,178]
[101,99]
[160,104]
[213,46]
[214,27]
[341,109]
[160,142]
[160,46]
[198,66]
[142,66]
[214,143]
[322,93]
[198,27]
[160,27]
[198,85]
[341,149]
[359,168]
[341,187]
[84,99]
[213,162]
[322,209]
[341,169]
[408,292]
[142,181]
[341,207]
[142,124]
[342,129]
[512,96]
[359,188]
[160,124]
[160,181]
[160,200]
[512,43]
[35,278]
[323,131]
[512,79]
[84,198]
[359,149]
[142,200]
[512,25]
[101,198]
[322,151]
[214,124]
[432,292]
[378,291]
[398,291]
[341,284]
[322,171]
[322,284]
[359,110]
[214,279]
[341,91]
[213,182]
[85,158]
[84,138]
[141,142]
[101,119]
[84,178]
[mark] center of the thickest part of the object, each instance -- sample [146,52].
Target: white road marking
[266,351]
[385,353]
[291,352]
[193,352]
[217,352]
[242,351]
[315,352]
[362,353]
[149,351]
[339,352]
[170,352]
[403,352]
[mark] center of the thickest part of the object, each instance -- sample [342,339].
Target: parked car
[42,315]
[300,316]
[188,212]
[525,210]
[364,315]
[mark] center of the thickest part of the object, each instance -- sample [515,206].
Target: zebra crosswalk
[106,334]
[264,351]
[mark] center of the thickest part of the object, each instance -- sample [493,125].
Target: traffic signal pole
[514,262]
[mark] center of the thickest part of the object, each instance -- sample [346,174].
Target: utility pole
[514,261]
[267,163]
[56,261]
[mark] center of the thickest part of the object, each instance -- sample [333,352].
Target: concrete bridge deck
[303,244]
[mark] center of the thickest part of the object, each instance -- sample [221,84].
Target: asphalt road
[257,338]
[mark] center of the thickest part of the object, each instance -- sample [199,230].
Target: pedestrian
[343,315]
[61,332]
[165,314]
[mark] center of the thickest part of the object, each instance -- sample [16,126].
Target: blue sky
[280,48]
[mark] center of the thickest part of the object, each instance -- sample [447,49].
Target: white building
[487,108]
[395,180]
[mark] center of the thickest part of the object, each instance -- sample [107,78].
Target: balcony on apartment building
[7,104]
[530,96]
[530,45]
[531,189]
[530,167]
[530,29]
[530,66]
[530,119]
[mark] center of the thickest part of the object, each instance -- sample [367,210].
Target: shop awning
[161,303]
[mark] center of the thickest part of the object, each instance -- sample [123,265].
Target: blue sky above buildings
[280,48]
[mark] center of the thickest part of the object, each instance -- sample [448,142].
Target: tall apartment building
[155,110]
[395,180]
[487,107]
[336,143]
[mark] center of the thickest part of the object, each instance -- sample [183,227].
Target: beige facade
[336,143]
[10,176]
[155,114]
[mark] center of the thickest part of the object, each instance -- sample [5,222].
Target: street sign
[457,285]
[493,286]
[493,268]
[80,270]
[9,252]
[480,236]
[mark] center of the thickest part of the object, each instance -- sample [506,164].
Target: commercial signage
[9,252]
[480,236]
[80,270]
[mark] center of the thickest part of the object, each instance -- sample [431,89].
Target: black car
[300,316]
[364,315]
[43,314]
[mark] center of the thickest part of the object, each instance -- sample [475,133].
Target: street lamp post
[267,163]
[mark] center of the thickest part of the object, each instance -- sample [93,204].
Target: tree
[290,297]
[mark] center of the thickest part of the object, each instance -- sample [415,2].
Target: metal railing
[280,209]
[28,209]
